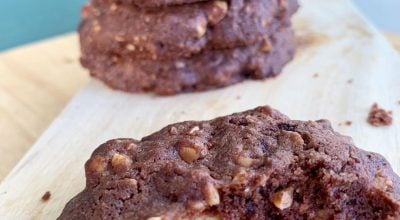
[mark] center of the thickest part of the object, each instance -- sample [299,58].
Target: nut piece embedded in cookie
[121,161]
[217,12]
[283,199]
[196,205]
[97,164]
[211,194]
[188,154]
[155,218]
[245,161]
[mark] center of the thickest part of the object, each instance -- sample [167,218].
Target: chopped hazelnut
[290,138]
[194,130]
[265,23]
[155,218]
[118,38]
[173,130]
[130,47]
[245,161]
[218,11]
[132,182]
[211,194]
[206,217]
[384,183]
[180,64]
[96,12]
[188,154]
[113,7]
[240,178]
[283,199]
[261,180]
[120,161]
[196,205]
[266,45]
[201,28]
[130,146]
[97,164]
[114,59]
[96,26]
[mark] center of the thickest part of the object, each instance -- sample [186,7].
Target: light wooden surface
[351,50]
[36,82]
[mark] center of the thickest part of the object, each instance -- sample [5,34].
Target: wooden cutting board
[335,45]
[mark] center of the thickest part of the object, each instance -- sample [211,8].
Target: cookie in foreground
[256,164]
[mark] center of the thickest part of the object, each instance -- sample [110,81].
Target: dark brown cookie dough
[257,164]
[208,70]
[159,3]
[181,31]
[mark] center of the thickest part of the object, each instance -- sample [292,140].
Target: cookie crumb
[315,75]
[379,117]
[348,123]
[350,81]
[46,196]
[239,97]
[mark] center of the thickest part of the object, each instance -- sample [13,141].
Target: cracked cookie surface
[256,164]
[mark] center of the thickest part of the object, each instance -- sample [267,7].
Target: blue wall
[23,21]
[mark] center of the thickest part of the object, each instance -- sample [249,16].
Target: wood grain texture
[352,50]
[36,82]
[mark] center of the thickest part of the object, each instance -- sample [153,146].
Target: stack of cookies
[173,46]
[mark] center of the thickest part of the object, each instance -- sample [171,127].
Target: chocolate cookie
[207,70]
[257,164]
[181,31]
[158,3]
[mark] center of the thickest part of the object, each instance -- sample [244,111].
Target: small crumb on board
[348,123]
[379,117]
[46,196]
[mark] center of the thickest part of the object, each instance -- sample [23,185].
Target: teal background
[23,21]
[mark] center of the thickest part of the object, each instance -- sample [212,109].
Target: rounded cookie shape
[160,3]
[207,70]
[256,164]
[181,31]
